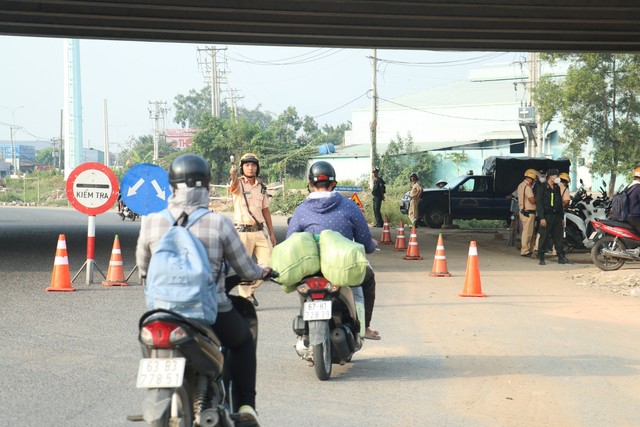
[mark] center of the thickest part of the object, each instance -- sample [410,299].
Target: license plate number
[161,373]
[317,310]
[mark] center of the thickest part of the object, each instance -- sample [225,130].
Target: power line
[318,57]
[342,106]
[444,115]
[459,62]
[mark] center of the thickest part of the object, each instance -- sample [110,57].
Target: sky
[324,83]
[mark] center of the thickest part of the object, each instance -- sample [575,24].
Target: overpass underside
[513,25]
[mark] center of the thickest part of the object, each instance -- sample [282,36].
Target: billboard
[180,138]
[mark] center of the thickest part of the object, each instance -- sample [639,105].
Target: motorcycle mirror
[581,182]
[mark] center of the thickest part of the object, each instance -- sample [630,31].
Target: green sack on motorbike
[295,258]
[342,261]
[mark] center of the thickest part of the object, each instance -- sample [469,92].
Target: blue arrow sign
[145,188]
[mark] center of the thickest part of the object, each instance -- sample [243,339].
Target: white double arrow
[134,188]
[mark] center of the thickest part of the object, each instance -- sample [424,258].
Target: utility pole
[534,77]
[234,97]
[61,140]
[14,160]
[106,135]
[209,66]
[157,113]
[373,127]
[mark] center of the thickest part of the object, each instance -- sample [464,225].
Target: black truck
[479,196]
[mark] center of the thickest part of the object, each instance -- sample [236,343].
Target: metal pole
[91,246]
[106,135]
[374,113]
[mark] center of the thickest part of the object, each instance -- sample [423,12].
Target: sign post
[92,189]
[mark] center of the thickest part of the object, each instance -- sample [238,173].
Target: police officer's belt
[527,213]
[246,228]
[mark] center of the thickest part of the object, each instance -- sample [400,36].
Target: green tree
[598,100]
[140,150]
[401,159]
[44,157]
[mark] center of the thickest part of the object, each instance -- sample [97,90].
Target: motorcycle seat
[620,224]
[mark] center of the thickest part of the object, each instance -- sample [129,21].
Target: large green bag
[343,262]
[295,258]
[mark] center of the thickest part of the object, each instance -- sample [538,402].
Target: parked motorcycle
[579,217]
[615,243]
[128,213]
[182,369]
[327,328]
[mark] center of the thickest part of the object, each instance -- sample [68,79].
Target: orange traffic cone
[440,261]
[386,233]
[115,273]
[472,285]
[61,277]
[413,252]
[401,243]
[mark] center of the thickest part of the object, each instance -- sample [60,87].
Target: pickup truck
[479,196]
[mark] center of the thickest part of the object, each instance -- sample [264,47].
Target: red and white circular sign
[92,188]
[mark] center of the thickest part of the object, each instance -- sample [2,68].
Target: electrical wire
[318,57]
[342,106]
[444,115]
[459,62]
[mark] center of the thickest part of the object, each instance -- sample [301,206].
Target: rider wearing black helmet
[325,209]
[189,176]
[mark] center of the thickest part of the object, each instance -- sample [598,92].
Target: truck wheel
[434,217]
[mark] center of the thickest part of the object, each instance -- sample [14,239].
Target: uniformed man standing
[379,188]
[251,216]
[414,199]
[551,214]
[527,208]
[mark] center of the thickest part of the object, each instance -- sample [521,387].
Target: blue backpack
[179,277]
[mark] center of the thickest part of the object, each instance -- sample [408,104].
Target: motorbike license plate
[161,373]
[317,310]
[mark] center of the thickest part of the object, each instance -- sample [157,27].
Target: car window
[474,185]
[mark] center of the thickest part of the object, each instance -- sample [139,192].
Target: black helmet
[250,158]
[321,171]
[189,170]
[413,175]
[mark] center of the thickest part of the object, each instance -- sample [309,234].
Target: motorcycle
[183,370]
[579,217]
[327,327]
[615,243]
[128,213]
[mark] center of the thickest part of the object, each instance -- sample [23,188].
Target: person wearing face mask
[551,213]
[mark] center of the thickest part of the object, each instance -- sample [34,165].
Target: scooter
[328,328]
[128,213]
[579,217]
[182,369]
[615,244]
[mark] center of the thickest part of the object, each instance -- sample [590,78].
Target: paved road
[539,350]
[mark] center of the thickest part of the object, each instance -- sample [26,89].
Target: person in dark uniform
[551,213]
[379,189]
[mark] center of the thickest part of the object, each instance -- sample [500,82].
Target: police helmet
[413,175]
[564,176]
[636,173]
[250,158]
[531,173]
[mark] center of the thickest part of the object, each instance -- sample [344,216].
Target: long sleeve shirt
[215,231]
[325,210]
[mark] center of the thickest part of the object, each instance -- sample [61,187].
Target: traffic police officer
[551,213]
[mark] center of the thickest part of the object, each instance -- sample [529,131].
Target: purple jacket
[331,211]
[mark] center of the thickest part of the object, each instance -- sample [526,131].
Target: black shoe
[563,260]
[542,262]
[528,254]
